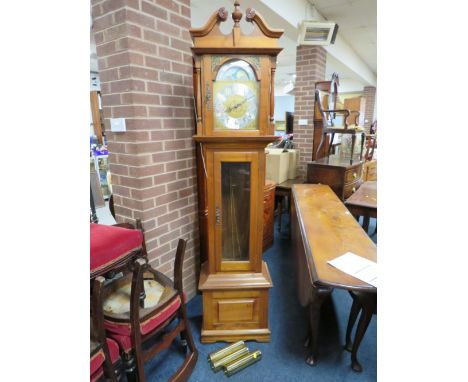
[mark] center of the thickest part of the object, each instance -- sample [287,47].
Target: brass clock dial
[236,97]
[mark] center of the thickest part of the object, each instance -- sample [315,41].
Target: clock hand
[233,107]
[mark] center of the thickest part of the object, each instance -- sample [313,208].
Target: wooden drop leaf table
[323,229]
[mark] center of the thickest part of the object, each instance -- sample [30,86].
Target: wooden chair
[135,321]
[325,104]
[105,361]
[113,248]
[371,144]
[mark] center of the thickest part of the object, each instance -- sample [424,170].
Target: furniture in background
[101,168]
[281,163]
[96,114]
[289,122]
[283,195]
[329,91]
[233,80]
[369,170]
[343,178]
[322,230]
[92,213]
[139,309]
[364,203]
[268,214]
[327,114]
[354,103]
[96,190]
[371,144]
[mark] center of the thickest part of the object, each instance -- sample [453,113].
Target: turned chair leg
[330,146]
[129,367]
[353,142]
[363,138]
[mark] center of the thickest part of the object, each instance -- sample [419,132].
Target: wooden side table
[343,178]
[268,214]
[364,202]
[283,190]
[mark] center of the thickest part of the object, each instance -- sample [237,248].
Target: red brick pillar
[145,69]
[369,99]
[310,68]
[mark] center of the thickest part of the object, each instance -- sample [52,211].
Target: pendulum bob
[223,362]
[219,354]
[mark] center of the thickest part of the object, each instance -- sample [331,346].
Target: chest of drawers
[268,214]
[343,178]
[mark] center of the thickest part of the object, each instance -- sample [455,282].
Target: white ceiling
[357,20]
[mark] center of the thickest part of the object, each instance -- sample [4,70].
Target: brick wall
[310,68]
[145,69]
[369,97]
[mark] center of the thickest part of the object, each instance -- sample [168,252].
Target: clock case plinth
[235,293]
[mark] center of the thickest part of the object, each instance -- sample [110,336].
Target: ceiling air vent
[317,33]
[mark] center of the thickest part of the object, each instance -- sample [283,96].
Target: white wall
[282,105]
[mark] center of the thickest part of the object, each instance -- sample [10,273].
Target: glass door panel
[235,210]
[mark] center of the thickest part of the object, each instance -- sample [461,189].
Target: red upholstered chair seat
[97,359]
[110,245]
[161,302]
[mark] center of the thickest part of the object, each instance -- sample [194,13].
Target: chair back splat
[178,265]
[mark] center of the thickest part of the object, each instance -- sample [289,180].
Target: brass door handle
[354,175]
[353,190]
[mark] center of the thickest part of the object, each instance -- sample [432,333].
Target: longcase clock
[234,104]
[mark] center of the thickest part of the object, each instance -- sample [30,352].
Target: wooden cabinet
[234,106]
[268,214]
[343,178]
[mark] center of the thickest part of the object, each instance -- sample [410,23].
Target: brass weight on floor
[217,355]
[223,362]
[242,363]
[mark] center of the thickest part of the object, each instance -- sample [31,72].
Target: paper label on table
[356,266]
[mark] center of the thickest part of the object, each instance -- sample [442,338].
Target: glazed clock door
[236,210]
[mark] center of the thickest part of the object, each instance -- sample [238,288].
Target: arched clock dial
[236,97]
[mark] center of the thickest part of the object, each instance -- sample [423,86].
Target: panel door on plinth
[237,209]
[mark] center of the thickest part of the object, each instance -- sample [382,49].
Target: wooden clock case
[235,291]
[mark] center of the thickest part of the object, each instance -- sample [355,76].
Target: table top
[365,196]
[287,184]
[328,230]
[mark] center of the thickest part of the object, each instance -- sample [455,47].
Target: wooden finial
[249,14]
[222,14]
[237,14]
